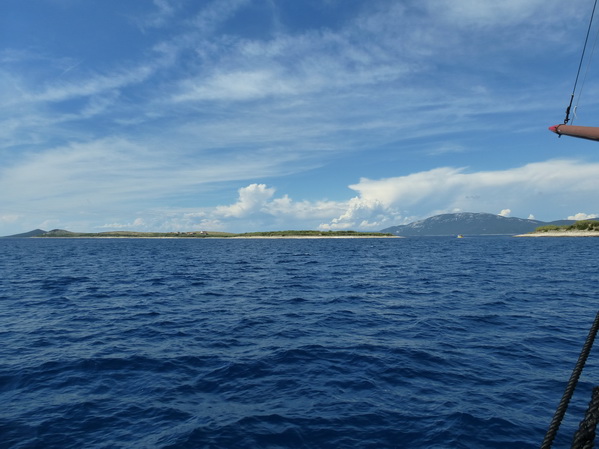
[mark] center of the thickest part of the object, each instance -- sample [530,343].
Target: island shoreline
[228,238]
[569,233]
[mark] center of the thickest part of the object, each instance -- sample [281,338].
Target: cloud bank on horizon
[243,115]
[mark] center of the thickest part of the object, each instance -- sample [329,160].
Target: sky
[255,115]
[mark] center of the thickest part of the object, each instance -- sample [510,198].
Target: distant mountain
[470,223]
[33,233]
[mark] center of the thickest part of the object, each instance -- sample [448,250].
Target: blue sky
[244,115]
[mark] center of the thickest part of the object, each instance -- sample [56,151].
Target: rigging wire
[567,119]
[586,72]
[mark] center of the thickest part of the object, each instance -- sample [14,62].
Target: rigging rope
[567,119]
[563,405]
[584,438]
[586,72]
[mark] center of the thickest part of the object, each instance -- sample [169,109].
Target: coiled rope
[563,405]
[586,40]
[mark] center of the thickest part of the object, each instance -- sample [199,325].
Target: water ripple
[415,343]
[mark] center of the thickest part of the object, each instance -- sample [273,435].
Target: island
[583,228]
[61,233]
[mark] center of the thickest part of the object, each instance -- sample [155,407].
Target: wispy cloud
[96,84]
[165,9]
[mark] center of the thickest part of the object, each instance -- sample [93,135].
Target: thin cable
[586,72]
[567,119]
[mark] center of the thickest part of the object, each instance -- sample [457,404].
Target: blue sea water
[333,343]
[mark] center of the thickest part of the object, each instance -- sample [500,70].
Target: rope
[584,438]
[563,405]
[586,72]
[567,119]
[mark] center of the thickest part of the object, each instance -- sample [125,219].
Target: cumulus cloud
[251,200]
[552,185]
[258,200]
[582,216]
[303,210]
[364,213]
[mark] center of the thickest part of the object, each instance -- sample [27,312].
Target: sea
[430,342]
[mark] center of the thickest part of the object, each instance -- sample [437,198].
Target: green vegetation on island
[130,234]
[314,234]
[60,233]
[582,225]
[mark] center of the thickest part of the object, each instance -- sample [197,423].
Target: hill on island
[33,233]
[470,223]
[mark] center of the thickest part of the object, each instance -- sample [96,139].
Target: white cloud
[251,200]
[91,85]
[505,212]
[137,224]
[552,185]
[446,148]
[366,51]
[303,210]
[364,214]
[9,218]
[258,208]
[211,225]
[244,85]
[165,11]
[49,224]
[211,16]
[582,216]
[485,13]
